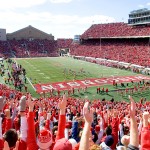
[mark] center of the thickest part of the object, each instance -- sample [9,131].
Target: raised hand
[31,104]
[134,136]
[62,104]
[48,116]
[132,107]
[145,119]
[7,113]
[146,115]
[87,113]
[88,117]
[115,113]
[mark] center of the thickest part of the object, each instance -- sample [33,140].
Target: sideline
[31,83]
[27,78]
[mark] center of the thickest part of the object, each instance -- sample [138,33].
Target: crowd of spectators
[115,30]
[64,43]
[65,123]
[4,49]
[28,48]
[125,50]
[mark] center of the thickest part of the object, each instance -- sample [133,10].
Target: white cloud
[60,1]
[10,4]
[62,26]
[148,4]
[141,6]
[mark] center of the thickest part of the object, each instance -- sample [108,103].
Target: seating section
[26,48]
[34,48]
[4,49]
[63,43]
[131,51]
[115,30]
[115,41]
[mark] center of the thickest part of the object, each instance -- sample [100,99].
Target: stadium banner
[87,83]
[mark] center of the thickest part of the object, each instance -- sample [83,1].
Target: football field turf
[64,69]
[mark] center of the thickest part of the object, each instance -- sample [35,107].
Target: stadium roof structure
[116,30]
[28,32]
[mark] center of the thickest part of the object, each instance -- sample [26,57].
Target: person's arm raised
[145,134]
[134,136]
[62,118]
[62,105]
[88,117]
[31,135]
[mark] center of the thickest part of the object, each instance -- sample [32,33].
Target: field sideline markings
[27,78]
[46,77]
[38,73]
[31,84]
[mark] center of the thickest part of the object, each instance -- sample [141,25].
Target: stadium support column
[149,49]
[100,39]
[118,59]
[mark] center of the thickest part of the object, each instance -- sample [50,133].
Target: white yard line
[46,77]
[31,84]
[41,73]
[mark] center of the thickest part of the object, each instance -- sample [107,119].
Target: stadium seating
[26,48]
[4,49]
[134,51]
[115,41]
[115,30]
[64,43]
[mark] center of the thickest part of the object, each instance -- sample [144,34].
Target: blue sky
[64,18]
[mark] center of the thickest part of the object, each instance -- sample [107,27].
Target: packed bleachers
[64,43]
[33,48]
[115,30]
[4,49]
[115,41]
[131,50]
[27,48]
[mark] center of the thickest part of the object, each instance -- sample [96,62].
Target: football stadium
[99,82]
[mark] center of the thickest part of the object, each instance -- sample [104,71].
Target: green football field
[50,70]
[54,69]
